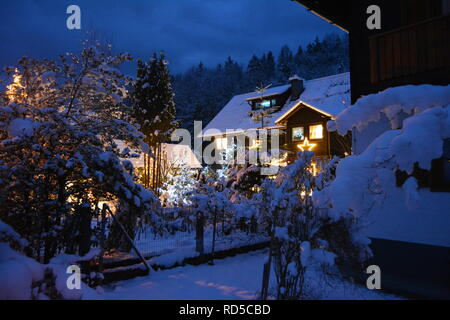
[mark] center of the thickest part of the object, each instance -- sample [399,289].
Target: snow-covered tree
[153,100]
[154,109]
[58,157]
[180,183]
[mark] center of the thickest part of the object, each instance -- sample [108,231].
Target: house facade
[300,111]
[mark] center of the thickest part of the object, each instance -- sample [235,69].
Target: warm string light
[306,145]
[15,89]
[309,146]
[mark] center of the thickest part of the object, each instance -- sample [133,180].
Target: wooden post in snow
[199,233]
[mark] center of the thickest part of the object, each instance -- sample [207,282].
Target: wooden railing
[411,50]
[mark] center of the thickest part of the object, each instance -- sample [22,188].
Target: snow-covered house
[176,156]
[300,110]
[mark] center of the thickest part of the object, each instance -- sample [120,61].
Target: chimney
[297,87]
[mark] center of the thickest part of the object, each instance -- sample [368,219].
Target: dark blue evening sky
[188,31]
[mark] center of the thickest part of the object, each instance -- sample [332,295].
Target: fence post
[199,233]
[214,237]
[102,236]
[265,281]
[84,244]
[268,267]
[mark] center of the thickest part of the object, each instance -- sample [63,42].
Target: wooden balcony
[418,53]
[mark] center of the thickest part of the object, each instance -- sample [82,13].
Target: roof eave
[292,110]
[309,6]
[267,95]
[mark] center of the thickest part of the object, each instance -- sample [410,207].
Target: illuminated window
[255,144]
[266,104]
[298,134]
[316,132]
[221,143]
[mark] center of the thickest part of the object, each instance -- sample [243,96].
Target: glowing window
[316,132]
[266,104]
[221,143]
[298,134]
[255,144]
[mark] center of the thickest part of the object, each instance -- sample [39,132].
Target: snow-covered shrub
[211,200]
[24,278]
[180,182]
[228,206]
[299,229]
[245,179]
[58,158]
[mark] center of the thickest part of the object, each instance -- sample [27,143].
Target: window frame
[219,143]
[310,131]
[258,103]
[303,133]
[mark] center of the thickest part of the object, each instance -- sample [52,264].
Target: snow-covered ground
[232,278]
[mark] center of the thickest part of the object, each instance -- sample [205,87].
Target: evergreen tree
[232,76]
[269,67]
[154,109]
[285,64]
[154,103]
[254,71]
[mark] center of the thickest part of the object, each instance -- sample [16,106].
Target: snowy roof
[177,156]
[269,92]
[295,77]
[330,95]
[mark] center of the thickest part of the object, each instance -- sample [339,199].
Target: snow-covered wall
[362,139]
[427,223]
[365,184]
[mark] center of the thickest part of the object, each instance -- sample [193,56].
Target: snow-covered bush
[58,158]
[211,200]
[180,182]
[230,207]
[24,278]
[300,236]
[246,179]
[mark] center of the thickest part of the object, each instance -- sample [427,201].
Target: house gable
[307,120]
[294,110]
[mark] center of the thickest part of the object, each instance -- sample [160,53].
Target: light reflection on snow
[227,290]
